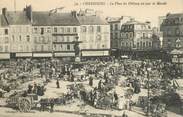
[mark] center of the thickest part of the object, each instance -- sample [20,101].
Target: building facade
[115,30]
[136,37]
[21,42]
[38,34]
[172,28]
[4,41]
[19,32]
[65,34]
[177,56]
[94,36]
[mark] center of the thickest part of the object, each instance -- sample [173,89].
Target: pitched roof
[92,20]
[113,19]
[16,18]
[65,19]
[174,15]
[54,19]
[41,18]
[134,22]
[2,21]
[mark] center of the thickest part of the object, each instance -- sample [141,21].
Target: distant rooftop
[14,18]
[54,19]
[133,21]
[175,15]
[92,20]
[47,18]
[115,19]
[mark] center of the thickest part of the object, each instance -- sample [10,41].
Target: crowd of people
[107,73]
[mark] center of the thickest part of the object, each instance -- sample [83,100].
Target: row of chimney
[28,11]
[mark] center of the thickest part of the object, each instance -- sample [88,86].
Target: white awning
[23,54]
[42,54]
[69,54]
[95,53]
[4,56]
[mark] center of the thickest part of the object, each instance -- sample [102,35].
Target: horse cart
[24,104]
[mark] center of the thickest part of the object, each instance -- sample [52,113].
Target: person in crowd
[52,105]
[42,105]
[30,88]
[124,114]
[72,77]
[35,88]
[91,81]
[100,84]
[115,98]
[24,94]
[58,84]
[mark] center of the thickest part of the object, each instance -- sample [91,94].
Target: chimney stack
[28,11]
[74,13]
[4,10]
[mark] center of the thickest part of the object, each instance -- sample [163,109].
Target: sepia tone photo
[91,58]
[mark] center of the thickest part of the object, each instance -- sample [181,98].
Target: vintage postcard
[91,58]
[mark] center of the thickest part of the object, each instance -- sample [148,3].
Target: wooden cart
[24,104]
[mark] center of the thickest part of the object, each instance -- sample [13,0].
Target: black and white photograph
[91,58]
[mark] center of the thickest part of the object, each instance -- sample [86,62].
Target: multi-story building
[136,37]
[172,28]
[42,34]
[65,32]
[115,29]
[177,56]
[19,31]
[4,39]
[54,33]
[30,33]
[157,38]
[160,20]
[94,35]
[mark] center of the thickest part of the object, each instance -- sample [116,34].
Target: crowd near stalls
[103,84]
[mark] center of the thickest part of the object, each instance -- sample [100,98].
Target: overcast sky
[140,12]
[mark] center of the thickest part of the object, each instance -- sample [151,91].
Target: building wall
[4,40]
[20,38]
[115,34]
[170,35]
[136,37]
[115,26]
[63,38]
[95,37]
[42,38]
[172,28]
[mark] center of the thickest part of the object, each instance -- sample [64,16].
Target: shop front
[4,56]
